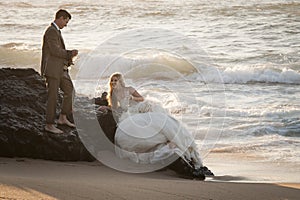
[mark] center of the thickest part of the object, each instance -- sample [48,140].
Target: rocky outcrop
[22,108]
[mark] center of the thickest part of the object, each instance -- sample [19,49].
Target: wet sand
[39,179]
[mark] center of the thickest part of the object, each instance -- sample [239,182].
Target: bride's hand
[137,99]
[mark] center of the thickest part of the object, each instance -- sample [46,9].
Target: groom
[54,67]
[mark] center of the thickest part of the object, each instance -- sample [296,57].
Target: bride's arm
[135,96]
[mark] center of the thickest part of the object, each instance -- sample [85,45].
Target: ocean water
[229,70]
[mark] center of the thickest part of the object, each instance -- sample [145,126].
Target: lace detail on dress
[141,107]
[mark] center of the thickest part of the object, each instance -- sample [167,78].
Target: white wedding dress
[147,134]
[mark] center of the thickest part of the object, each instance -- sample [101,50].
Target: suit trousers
[53,85]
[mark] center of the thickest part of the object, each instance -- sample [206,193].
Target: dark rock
[108,125]
[23,98]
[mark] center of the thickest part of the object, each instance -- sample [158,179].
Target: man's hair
[62,13]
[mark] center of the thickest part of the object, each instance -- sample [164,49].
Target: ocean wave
[22,4]
[12,4]
[255,7]
[166,66]
[16,55]
[287,128]
[260,74]
[14,45]
[20,26]
[157,13]
[269,148]
[162,66]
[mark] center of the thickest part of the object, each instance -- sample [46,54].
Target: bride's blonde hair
[110,97]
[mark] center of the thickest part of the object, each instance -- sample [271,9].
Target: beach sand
[22,178]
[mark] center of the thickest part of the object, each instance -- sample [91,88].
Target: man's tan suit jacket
[55,57]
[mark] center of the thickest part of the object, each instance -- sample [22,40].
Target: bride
[147,134]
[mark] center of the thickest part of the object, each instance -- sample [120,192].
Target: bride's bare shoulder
[130,89]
